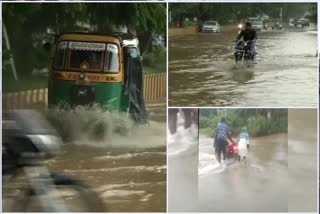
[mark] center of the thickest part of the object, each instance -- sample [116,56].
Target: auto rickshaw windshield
[89,56]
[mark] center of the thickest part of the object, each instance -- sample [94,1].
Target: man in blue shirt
[221,139]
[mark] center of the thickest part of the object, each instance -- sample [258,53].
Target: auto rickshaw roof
[124,39]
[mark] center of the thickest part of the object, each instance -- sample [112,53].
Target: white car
[257,25]
[211,26]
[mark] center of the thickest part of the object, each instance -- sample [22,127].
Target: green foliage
[256,120]
[159,54]
[223,12]
[189,23]
[155,60]
[171,25]
[26,37]
[313,13]
[6,56]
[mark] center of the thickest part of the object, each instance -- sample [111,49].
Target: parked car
[304,22]
[211,26]
[257,25]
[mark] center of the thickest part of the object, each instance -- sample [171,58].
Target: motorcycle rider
[248,34]
[221,139]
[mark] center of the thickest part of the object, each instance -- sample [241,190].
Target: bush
[172,24]
[189,23]
[147,59]
[155,60]
[257,124]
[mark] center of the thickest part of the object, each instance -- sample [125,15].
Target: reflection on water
[250,186]
[202,70]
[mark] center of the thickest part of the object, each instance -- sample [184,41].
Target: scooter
[232,152]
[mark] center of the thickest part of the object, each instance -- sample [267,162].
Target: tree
[223,12]
[27,24]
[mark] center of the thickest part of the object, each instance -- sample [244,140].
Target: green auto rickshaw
[92,68]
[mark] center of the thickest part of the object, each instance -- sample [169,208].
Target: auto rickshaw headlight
[82,76]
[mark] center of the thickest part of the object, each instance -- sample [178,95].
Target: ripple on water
[286,67]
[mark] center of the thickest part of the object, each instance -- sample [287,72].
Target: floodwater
[202,71]
[302,160]
[127,170]
[279,176]
[258,185]
[183,151]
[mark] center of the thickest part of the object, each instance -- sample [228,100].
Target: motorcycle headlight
[240,26]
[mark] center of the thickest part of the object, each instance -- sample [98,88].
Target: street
[202,71]
[260,186]
[302,150]
[183,153]
[127,170]
[129,173]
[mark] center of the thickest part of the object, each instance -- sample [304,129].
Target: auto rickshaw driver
[103,69]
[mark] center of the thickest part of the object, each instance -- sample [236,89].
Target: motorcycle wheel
[74,194]
[237,59]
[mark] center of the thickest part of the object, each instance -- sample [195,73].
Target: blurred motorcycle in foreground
[28,139]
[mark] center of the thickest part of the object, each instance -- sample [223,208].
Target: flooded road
[126,168]
[260,185]
[183,153]
[302,165]
[127,171]
[128,178]
[202,70]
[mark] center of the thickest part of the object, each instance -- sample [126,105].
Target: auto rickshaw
[92,68]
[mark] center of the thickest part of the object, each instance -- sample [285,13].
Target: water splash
[95,126]
[184,141]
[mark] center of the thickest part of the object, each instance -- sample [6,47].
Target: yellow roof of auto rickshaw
[118,38]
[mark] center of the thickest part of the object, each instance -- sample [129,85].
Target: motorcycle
[28,139]
[277,26]
[232,152]
[242,52]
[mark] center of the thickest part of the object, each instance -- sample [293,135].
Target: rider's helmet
[248,24]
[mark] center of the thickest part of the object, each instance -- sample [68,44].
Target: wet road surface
[183,169]
[202,70]
[128,179]
[258,185]
[302,165]
[127,170]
